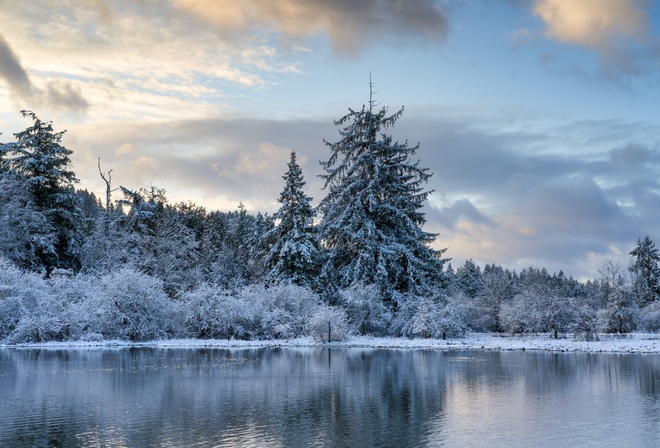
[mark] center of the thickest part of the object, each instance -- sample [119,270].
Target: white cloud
[267,157]
[616,30]
[593,23]
[125,149]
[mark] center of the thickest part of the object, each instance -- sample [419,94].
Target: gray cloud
[63,95]
[635,158]
[12,71]
[460,210]
[59,95]
[349,25]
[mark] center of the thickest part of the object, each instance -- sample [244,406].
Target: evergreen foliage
[645,272]
[371,221]
[469,278]
[293,254]
[39,157]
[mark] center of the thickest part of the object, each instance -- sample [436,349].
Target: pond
[297,397]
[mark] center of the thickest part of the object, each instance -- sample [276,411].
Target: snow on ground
[632,343]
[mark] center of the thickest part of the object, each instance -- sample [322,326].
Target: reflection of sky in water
[320,397]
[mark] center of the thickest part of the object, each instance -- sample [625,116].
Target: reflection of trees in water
[283,397]
[291,397]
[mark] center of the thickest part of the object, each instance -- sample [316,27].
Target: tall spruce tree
[39,157]
[371,220]
[293,253]
[645,271]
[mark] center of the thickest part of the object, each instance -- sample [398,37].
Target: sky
[538,118]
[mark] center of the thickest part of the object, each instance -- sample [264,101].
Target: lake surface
[141,397]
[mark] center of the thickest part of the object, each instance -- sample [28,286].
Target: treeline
[75,266]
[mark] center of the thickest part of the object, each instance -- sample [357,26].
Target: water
[327,397]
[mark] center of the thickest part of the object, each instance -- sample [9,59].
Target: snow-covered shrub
[428,317]
[367,313]
[621,315]
[72,292]
[10,314]
[328,319]
[130,305]
[540,310]
[11,286]
[514,317]
[651,317]
[476,316]
[287,310]
[585,322]
[42,319]
[251,312]
[28,311]
[213,312]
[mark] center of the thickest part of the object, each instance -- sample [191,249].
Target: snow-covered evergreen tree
[469,278]
[39,157]
[371,220]
[293,255]
[26,237]
[645,272]
[621,314]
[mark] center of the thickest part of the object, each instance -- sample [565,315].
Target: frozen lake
[350,397]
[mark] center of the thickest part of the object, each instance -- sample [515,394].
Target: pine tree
[469,278]
[38,156]
[645,272]
[293,255]
[26,237]
[371,218]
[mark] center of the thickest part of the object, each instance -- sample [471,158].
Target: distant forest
[74,266]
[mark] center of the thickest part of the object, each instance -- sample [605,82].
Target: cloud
[64,95]
[12,71]
[635,158]
[593,23]
[218,162]
[617,30]
[460,211]
[57,94]
[528,197]
[261,161]
[350,25]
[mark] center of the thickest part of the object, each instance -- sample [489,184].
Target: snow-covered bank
[632,343]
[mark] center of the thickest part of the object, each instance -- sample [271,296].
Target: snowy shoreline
[631,343]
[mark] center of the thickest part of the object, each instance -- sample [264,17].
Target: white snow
[631,343]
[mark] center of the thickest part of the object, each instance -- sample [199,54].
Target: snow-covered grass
[631,343]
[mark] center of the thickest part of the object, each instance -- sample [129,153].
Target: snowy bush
[427,317]
[475,314]
[11,286]
[130,305]
[328,319]
[367,313]
[651,317]
[514,317]
[213,312]
[540,310]
[28,311]
[73,293]
[621,315]
[10,314]
[289,309]
[585,322]
[42,319]
[252,312]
